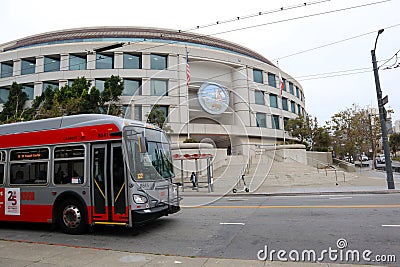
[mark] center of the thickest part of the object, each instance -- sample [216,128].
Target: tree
[13,108]
[354,132]
[300,128]
[321,139]
[394,142]
[308,132]
[157,117]
[78,98]
[113,88]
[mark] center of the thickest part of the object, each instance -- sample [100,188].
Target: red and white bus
[82,170]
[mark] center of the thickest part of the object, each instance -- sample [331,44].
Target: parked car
[380,159]
[364,158]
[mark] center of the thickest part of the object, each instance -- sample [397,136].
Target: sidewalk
[16,254]
[269,177]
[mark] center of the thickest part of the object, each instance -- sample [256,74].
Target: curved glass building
[209,89]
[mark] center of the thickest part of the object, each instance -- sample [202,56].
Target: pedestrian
[193,179]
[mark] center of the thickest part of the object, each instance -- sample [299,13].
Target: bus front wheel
[72,217]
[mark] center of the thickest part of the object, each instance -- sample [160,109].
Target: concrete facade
[255,113]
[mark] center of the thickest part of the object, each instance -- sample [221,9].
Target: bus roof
[67,122]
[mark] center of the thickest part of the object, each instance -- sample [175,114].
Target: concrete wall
[345,165]
[319,159]
[284,153]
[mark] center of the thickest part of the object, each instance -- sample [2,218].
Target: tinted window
[158,62]
[132,61]
[258,76]
[273,99]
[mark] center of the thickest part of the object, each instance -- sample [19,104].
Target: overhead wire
[270,23]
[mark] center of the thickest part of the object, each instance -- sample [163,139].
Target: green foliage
[13,108]
[157,117]
[394,142]
[307,131]
[79,98]
[190,140]
[113,88]
[354,131]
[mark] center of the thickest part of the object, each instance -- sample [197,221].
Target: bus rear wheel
[72,217]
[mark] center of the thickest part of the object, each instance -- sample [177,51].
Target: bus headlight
[139,199]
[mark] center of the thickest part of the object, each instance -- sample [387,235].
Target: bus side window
[69,164]
[19,178]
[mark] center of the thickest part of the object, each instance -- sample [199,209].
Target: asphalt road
[241,227]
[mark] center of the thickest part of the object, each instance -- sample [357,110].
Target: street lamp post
[388,162]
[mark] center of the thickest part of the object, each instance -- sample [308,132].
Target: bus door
[108,184]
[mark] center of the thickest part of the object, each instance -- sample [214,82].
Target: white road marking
[237,199]
[339,197]
[232,223]
[390,225]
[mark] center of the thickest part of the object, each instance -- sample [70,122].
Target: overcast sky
[275,40]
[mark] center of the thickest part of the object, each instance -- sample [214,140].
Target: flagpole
[187,86]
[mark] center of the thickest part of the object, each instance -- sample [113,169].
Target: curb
[294,193]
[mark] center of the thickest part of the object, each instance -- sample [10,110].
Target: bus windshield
[149,154]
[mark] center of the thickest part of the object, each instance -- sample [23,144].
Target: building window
[28,66]
[259,97]
[137,115]
[285,123]
[275,122]
[132,61]
[99,84]
[273,101]
[291,88]
[132,87]
[77,62]
[137,112]
[298,109]
[158,62]
[261,120]
[126,111]
[104,61]
[52,63]
[258,76]
[293,107]
[52,85]
[69,164]
[28,90]
[29,166]
[159,87]
[271,80]
[297,92]
[285,104]
[6,69]
[4,95]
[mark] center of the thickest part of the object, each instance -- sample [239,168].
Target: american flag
[187,69]
[281,83]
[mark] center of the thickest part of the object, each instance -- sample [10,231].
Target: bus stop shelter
[196,158]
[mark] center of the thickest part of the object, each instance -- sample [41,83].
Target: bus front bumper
[146,215]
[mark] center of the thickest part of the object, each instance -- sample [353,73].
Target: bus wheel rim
[72,216]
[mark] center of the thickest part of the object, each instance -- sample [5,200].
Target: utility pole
[382,117]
